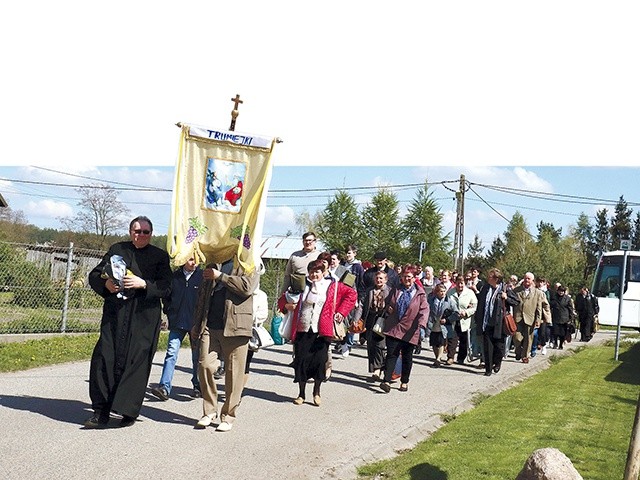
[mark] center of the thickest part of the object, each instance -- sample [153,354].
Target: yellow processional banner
[219,196]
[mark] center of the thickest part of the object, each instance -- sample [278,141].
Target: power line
[75,175]
[535,194]
[487,204]
[519,207]
[98,187]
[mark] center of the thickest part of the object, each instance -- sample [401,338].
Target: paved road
[42,410]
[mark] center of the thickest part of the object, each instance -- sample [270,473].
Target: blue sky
[42,204]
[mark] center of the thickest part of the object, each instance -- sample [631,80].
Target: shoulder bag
[508,323]
[378,327]
[339,330]
[260,338]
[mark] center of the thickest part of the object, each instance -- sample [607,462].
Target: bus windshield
[607,281]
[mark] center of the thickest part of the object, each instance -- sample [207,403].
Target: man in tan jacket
[223,323]
[528,315]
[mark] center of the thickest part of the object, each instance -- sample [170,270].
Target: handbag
[378,327]
[508,323]
[260,338]
[284,329]
[287,321]
[357,326]
[339,330]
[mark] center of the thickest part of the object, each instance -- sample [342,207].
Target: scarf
[404,300]
[489,304]
[378,300]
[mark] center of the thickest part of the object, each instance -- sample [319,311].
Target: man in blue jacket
[179,307]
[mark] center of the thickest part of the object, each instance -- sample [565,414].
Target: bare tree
[102,213]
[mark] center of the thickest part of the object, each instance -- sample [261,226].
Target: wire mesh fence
[44,289]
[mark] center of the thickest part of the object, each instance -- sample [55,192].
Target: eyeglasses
[144,232]
[309,240]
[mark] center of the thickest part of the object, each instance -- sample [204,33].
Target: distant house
[3,202]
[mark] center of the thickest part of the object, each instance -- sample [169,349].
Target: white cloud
[279,220]
[48,209]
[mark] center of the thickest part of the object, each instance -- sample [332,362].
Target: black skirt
[310,357]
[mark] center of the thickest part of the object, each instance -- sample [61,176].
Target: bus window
[634,269]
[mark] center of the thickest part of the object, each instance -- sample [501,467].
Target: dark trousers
[394,347]
[375,350]
[462,344]
[493,349]
[586,328]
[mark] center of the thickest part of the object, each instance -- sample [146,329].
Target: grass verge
[583,405]
[17,356]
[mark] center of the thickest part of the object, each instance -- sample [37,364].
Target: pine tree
[423,223]
[475,258]
[495,253]
[620,223]
[635,237]
[543,227]
[602,236]
[381,226]
[339,223]
[584,235]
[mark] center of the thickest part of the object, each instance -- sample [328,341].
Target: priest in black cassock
[130,325]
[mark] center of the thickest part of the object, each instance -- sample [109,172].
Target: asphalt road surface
[42,411]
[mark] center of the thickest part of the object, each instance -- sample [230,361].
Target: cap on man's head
[380,256]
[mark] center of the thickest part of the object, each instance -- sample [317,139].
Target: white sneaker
[544,350]
[205,421]
[224,427]
[345,351]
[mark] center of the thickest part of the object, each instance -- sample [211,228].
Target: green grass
[584,405]
[17,356]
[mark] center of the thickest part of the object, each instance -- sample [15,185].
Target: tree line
[568,258]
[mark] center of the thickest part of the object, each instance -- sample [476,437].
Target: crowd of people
[460,316]
[399,308]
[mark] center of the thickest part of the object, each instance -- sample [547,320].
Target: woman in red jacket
[408,311]
[322,300]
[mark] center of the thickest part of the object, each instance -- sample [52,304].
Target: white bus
[606,286]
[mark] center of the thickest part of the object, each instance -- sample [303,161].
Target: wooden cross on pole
[234,112]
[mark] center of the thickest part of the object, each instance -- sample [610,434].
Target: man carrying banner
[223,322]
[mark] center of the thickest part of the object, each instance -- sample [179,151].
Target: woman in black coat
[489,316]
[562,316]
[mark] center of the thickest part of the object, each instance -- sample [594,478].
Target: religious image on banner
[223,186]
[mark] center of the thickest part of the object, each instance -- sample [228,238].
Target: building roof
[3,202]
[279,246]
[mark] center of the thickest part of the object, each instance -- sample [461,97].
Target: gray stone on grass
[548,464]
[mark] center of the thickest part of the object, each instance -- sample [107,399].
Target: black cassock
[129,330]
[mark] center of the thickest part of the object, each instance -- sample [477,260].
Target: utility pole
[458,242]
